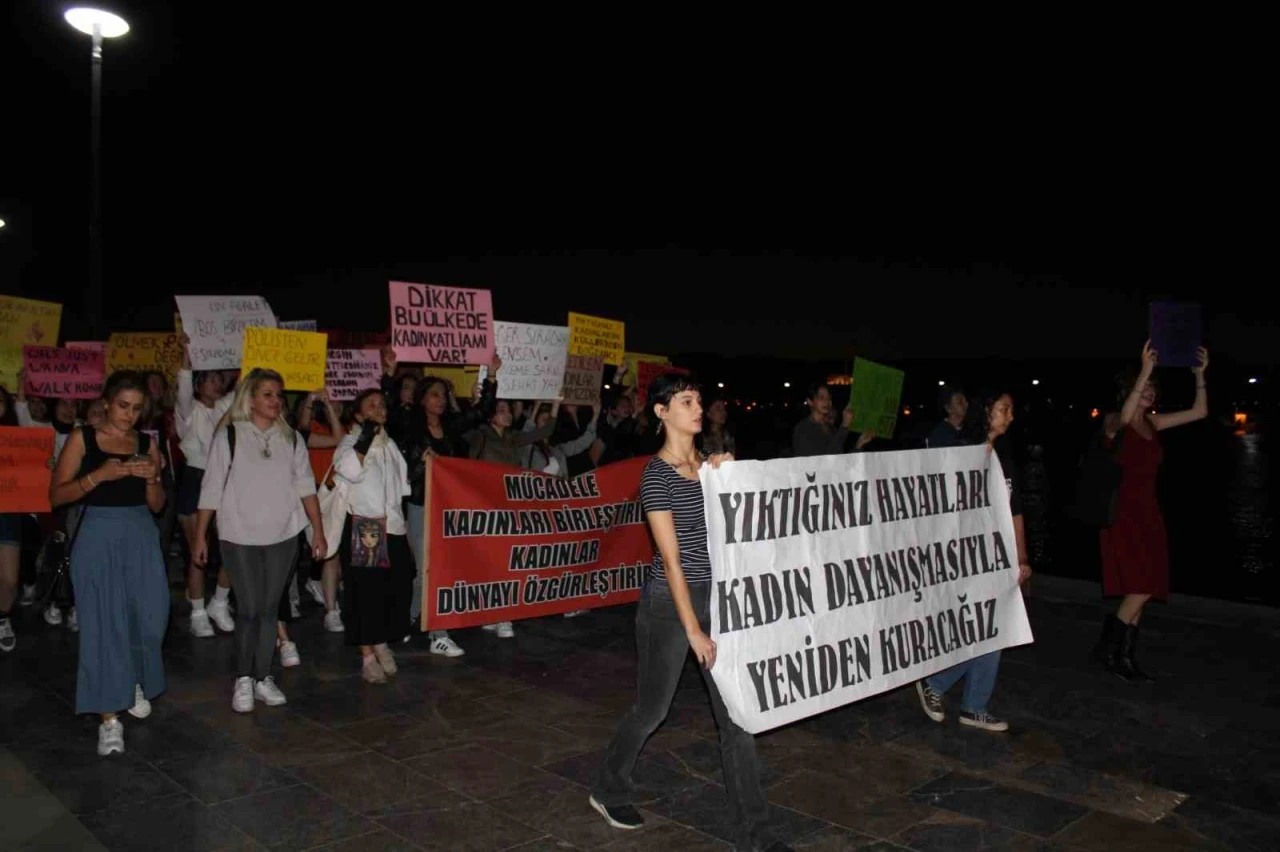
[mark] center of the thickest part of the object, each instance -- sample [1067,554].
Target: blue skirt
[122,599]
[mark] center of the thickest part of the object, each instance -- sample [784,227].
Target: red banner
[505,544]
[24,468]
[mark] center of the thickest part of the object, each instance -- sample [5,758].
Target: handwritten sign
[24,469]
[63,373]
[461,379]
[216,324]
[590,335]
[299,325]
[647,371]
[441,325]
[583,376]
[99,345]
[630,360]
[875,396]
[24,322]
[298,356]
[350,371]
[1176,333]
[144,351]
[533,359]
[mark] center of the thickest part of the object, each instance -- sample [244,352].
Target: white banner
[299,325]
[216,327]
[533,359]
[840,577]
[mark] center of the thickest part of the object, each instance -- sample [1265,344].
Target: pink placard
[96,345]
[63,373]
[441,325]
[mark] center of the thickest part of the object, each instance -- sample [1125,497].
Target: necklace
[691,464]
[265,440]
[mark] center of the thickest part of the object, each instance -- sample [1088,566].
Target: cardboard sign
[533,359]
[646,372]
[631,360]
[603,338]
[298,356]
[216,324]
[462,379]
[1176,333]
[350,371]
[98,345]
[24,468]
[298,325]
[891,567]
[64,373]
[583,378]
[144,351]
[24,322]
[441,325]
[874,397]
[503,544]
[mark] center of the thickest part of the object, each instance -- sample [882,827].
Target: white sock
[220,594]
[197,605]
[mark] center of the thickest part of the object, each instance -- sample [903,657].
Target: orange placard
[24,468]
[505,544]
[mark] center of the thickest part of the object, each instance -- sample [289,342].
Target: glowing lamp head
[85,19]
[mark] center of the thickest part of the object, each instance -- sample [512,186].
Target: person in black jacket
[437,431]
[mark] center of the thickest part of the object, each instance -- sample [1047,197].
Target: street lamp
[99,25]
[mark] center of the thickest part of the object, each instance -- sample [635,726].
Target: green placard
[875,397]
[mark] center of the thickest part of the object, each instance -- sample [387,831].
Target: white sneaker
[489,628]
[141,708]
[73,620]
[200,626]
[289,655]
[53,616]
[505,630]
[28,595]
[110,738]
[316,591]
[242,698]
[446,647]
[268,693]
[8,641]
[333,621]
[220,613]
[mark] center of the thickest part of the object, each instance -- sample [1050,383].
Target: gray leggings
[258,576]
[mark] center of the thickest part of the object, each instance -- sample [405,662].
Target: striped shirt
[663,489]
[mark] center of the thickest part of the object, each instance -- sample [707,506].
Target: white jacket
[377,486]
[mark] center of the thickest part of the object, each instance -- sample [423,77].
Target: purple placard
[1176,332]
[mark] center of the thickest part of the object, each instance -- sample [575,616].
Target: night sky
[742,205]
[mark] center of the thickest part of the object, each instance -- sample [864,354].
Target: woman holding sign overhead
[673,618]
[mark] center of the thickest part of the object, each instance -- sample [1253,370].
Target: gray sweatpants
[258,575]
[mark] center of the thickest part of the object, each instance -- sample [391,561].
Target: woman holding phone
[118,570]
[673,618]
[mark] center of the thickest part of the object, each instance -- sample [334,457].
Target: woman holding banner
[1135,548]
[673,618]
[199,405]
[377,565]
[991,415]
[260,484]
[116,564]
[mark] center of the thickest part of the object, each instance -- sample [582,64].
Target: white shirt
[260,503]
[195,422]
[376,487]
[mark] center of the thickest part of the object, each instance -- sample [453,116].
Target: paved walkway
[492,751]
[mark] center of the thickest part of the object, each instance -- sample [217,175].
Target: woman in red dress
[1135,548]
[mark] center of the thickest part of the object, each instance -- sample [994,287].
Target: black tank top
[127,491]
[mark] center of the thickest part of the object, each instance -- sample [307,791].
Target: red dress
[1135,549]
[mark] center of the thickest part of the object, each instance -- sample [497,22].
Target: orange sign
[24,468]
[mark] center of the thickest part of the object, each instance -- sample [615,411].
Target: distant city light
[1094,414]
[1253,381]
[784,384]
[608,387]
[942,383]
[906,412]
[720,384]
[1035,381]
[1,223]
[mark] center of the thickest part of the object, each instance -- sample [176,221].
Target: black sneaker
[931,701]
[619,816]
[985,721]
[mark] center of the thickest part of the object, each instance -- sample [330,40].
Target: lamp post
[99,25]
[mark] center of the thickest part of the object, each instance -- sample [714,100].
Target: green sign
[875,397]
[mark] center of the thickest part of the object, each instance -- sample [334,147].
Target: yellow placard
[463,379]
[598,337]
[631,361]
[298,356]
[145,351]
[24,322]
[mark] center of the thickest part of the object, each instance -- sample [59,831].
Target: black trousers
[663,649]
[258,577]
[375,601]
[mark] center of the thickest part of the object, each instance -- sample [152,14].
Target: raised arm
[1132,408]
[1200,409]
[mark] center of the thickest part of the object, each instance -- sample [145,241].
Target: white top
[376,487]
[195,422]
[261,502]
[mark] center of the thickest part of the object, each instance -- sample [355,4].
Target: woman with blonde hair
[259,482]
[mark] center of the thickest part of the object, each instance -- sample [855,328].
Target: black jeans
[663,648]
[258,577]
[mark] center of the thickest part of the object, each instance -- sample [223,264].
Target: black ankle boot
[1104,652]
[1128,647]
